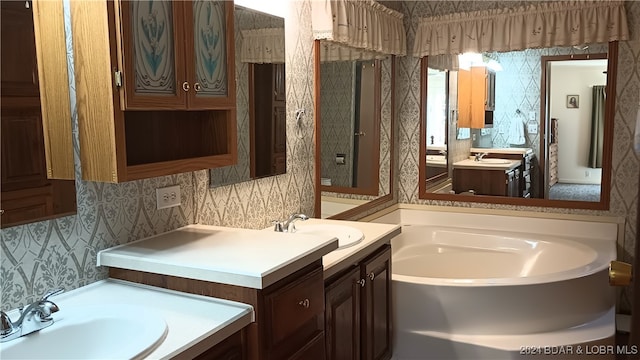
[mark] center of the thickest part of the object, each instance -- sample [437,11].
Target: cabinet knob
[372,276]
[361,282]
[197,87]
[1,211]
[185,86]
[304,303]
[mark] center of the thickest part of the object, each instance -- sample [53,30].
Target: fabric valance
[361,24]
[541,25]
[330,51]
[263,46]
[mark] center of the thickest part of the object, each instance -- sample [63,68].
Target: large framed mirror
[354,119]
[260,98]
[540,123]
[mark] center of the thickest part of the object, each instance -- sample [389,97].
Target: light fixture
[274,7]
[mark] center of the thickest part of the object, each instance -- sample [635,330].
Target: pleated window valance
[330,51]
[361,24]
[541,25]
[263,46]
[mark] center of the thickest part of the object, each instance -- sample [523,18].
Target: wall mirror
[260,99]
[28,195]
[354,122]
[537,148]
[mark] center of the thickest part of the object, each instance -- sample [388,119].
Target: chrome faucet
[34,317]
[479,156]
[289,225]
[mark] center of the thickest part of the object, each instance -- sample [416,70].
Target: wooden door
[342,317]
[210,54]
[376,306]
[153,55]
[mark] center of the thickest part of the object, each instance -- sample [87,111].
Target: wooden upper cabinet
[177,55]
[154,91]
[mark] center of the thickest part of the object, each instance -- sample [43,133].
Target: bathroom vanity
[500,177]
[527,165]
[283,276]
[279,274]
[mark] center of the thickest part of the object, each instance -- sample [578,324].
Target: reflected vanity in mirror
[354,121]
[526,145]
[260,99]
[29,192]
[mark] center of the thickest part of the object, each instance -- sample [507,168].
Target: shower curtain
[597,126]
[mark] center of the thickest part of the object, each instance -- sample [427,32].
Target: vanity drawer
[294,313]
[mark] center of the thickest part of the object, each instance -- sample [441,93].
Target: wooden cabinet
[153,88]
[289,315]
[476,97]
[232,348]
[358,310]
[487,182]
[527,170]
[28,194]
[177,54]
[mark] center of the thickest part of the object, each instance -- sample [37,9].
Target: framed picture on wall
[573,101]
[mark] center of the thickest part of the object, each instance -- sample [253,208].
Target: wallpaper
[61,253]
[624,193]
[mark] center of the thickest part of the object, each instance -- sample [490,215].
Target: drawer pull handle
[185,86]
[197,87]
[372,276]
[361,282]
[304,303]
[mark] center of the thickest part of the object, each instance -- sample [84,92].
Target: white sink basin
[92,332]
[347,235]
[495,161]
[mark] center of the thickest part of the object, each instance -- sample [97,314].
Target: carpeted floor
[579,192]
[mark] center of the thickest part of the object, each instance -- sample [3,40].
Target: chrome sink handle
[34,317]
[289,225]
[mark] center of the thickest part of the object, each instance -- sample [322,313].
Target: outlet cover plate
[168,197]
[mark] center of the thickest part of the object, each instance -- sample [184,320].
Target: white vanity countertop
[190,318]
[242,257]
[375,235]
[479,165]
[502,150]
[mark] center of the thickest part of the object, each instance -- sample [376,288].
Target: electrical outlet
[587,173]
[168,197]
[532,116]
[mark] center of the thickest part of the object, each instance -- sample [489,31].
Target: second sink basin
[92,332]
[347,235]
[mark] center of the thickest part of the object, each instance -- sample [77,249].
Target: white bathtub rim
[605,253]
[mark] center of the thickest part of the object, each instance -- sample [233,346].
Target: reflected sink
[495,161]
[92,332]
[347,235]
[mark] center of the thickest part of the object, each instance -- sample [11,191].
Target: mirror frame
[316,137]
[605,191]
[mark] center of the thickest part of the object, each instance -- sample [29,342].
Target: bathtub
[463,283]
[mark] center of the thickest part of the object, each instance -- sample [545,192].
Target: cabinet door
[376,306]
[478,96]
[19,70]
[152,48]
[464,98]
[210,53]
[342,317]
[23,164]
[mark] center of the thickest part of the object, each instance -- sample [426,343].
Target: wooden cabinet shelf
[153,91]
[358,310]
